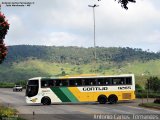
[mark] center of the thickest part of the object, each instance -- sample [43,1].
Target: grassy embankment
[150,105]
[32,68]
[8,113]
[141,70]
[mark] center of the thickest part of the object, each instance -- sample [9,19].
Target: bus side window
[114,81]
[50,83]
[118,81]
[64,82]
[86,81]
[122,81]
[72,82]
[79,82]
[93,81]
[57,82]
[75,82]
[43,83]
[47,83]
[129,80]
[107,81]
[100,81]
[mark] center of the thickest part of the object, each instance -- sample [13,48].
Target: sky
[70,23]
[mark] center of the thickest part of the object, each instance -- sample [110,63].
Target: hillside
[77,55]
[24,62]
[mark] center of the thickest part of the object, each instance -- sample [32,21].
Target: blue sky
[70,23]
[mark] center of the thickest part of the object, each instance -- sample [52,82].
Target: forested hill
[25,61]
[77,55]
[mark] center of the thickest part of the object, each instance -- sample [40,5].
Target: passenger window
[104,81]
[100,81]
[86,82]
[93,81]
[129,80]
[118,81]
[107,81]
[79,82]
[75,82]
[64,83]
[47,83]
[61,83]
[58,83]
[90,81]
[72,82]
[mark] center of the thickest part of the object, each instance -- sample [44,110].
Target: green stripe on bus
[68,93]
[60,94]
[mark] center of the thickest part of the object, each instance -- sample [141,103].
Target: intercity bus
[102,89]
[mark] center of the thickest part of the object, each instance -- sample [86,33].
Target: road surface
[68,111]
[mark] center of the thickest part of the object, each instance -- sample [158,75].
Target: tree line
[77,55]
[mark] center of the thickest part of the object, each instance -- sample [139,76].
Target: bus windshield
[32,88]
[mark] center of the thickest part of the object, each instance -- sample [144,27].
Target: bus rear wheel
[46,101]
[102,99]
[112,99]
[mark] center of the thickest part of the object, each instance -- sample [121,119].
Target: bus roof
[85,76]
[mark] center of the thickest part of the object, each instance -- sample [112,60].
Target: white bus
[81,88]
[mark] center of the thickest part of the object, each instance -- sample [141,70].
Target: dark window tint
[47,83]
[61,83]
[103,81]
[57,82]
[118,81]
[129,80]
[32,88]
[100,81]
[33,82]
[89,81]
[107,81]
[75,82]
[64,82]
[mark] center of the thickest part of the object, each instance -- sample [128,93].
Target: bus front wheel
[102,99]
[112,99]
[46,101]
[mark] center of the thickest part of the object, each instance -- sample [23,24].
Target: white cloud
[63,38]
[154,38]
[17,30]
[70,23]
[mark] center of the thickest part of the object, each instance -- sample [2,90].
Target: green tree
[4,26]
[138,88]
[124,3]
[153,83]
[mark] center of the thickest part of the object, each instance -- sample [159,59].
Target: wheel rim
[102,101]
[112,100]
[46,101]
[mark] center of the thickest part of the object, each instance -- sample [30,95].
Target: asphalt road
[68,111]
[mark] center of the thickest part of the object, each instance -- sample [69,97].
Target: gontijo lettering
[95,88]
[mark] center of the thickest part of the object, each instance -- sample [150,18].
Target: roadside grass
[6,85]
[144,94]
[150,105]
[9,113]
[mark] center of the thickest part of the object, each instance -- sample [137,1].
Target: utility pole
[94,37]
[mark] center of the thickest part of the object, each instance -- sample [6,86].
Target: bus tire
[46,101]
[102,99]
[112,99]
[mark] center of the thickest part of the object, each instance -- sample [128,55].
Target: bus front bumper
[32,100]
